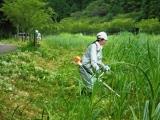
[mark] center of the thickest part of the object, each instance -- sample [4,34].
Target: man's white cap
[102,35]
[36,31]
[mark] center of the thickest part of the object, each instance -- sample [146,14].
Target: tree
[150,9]
[97,8]
[64,8]
[6,26]
[154,9]
[27,15]
[131,5]
[61,7]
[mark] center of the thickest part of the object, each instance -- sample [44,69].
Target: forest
[52,16]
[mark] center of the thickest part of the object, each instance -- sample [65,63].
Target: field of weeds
[44,84]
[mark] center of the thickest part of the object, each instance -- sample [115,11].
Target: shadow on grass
[30,47]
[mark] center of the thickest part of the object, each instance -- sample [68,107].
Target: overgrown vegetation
[26,16]
[118,24]
[43,83]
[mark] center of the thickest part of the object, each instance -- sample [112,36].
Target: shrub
[149,26]
[88,26]
[96,8]
[94,25]
[123,24]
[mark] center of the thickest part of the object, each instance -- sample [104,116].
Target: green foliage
[149,26]
[43,83]
[108,8]
[65,8]
[61,7]
[77,26]
[130,5]
[88,26]
[27,15]
[71,41]
[100,15]
[118,25]
[150,9]
[97,8]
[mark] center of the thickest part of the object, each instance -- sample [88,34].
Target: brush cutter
[77,60]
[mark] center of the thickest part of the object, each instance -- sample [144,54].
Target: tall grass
[68,41]
[53,81]
[134,62]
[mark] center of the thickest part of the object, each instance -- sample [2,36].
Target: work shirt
[38,36]
[92,59]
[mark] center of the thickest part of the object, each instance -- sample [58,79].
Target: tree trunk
[17,31]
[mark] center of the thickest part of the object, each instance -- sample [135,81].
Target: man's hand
[106,68]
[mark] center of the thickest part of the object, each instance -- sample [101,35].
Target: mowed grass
[44,83]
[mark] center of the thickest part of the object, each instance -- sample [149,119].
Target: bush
[96,8]
[94,25]
[88,26]
[71,25]
[149,26]
[77,14]
[123,24]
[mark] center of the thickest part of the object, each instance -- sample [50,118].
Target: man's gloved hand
[106,68]
[97,68]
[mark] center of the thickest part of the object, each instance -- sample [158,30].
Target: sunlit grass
[45,84]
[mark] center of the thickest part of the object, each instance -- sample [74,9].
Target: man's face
[102,42]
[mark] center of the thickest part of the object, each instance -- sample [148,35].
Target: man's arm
[93,54]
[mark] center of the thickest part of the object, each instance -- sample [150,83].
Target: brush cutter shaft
[107,86]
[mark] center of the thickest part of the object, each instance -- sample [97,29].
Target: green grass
[43,83]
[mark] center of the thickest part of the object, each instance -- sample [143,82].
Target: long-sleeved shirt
[92,59]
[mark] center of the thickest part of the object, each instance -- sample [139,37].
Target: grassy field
[44,84]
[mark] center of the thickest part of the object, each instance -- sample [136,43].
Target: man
[38,35]
[37,38]
[92,61]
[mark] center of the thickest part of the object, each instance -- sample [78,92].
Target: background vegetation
[89,16]
[43,83]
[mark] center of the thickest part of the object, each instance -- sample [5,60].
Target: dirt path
[5,48]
